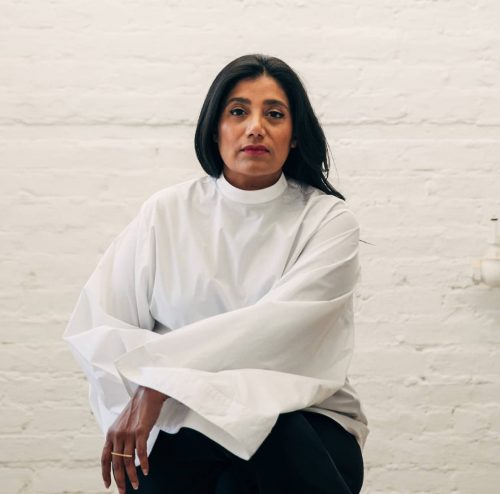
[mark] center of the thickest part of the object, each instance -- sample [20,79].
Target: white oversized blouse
[237,304]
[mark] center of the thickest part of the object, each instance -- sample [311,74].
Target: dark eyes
[277,114]
[238,112]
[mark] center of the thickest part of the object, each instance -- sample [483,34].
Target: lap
[187,462]
[309,452]
[304,452]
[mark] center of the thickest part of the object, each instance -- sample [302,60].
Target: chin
[257,166]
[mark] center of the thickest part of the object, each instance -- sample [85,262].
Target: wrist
[153,394]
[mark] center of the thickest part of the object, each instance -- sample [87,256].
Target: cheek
[226,135]
[285,139]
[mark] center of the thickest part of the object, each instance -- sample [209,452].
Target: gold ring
[121,454]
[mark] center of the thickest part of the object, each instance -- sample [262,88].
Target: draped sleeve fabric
[111,317]
[230,362]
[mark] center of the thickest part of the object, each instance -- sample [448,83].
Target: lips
[255,148]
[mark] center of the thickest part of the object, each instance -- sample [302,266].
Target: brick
[17,480]
[61,419]
[14,419]
[71,479]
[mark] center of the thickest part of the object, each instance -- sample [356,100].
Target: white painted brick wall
[98,102]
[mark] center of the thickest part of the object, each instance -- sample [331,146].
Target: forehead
[259,89]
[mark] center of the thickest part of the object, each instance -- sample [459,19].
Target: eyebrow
[248,102]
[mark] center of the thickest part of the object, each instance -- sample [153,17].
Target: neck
[247,182]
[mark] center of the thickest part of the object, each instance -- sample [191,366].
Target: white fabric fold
[230,373]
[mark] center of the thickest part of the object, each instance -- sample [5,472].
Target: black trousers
[305,453]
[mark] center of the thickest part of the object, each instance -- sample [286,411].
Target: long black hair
[308,162]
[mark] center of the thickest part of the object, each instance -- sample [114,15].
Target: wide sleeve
[112,317]
[237,371]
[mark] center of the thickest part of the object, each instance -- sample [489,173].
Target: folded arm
[237,370]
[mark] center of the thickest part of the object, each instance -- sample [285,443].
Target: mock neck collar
[252,196]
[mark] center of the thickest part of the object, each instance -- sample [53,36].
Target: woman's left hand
[129,434]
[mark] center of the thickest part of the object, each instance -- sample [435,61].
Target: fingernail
[135,485]
[145,472]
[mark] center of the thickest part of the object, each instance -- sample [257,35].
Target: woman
[217,330]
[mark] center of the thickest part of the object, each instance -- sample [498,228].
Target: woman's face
[256,113]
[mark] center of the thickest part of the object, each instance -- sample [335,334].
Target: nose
[255,126]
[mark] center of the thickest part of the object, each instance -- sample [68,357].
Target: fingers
[130,464]
[140,444]
[129,433]
[123,463]
[118,467]
[106,463]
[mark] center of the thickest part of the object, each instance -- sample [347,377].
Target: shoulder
[327,209]
[176,196]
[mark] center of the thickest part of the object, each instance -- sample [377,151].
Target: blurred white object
[487,269]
